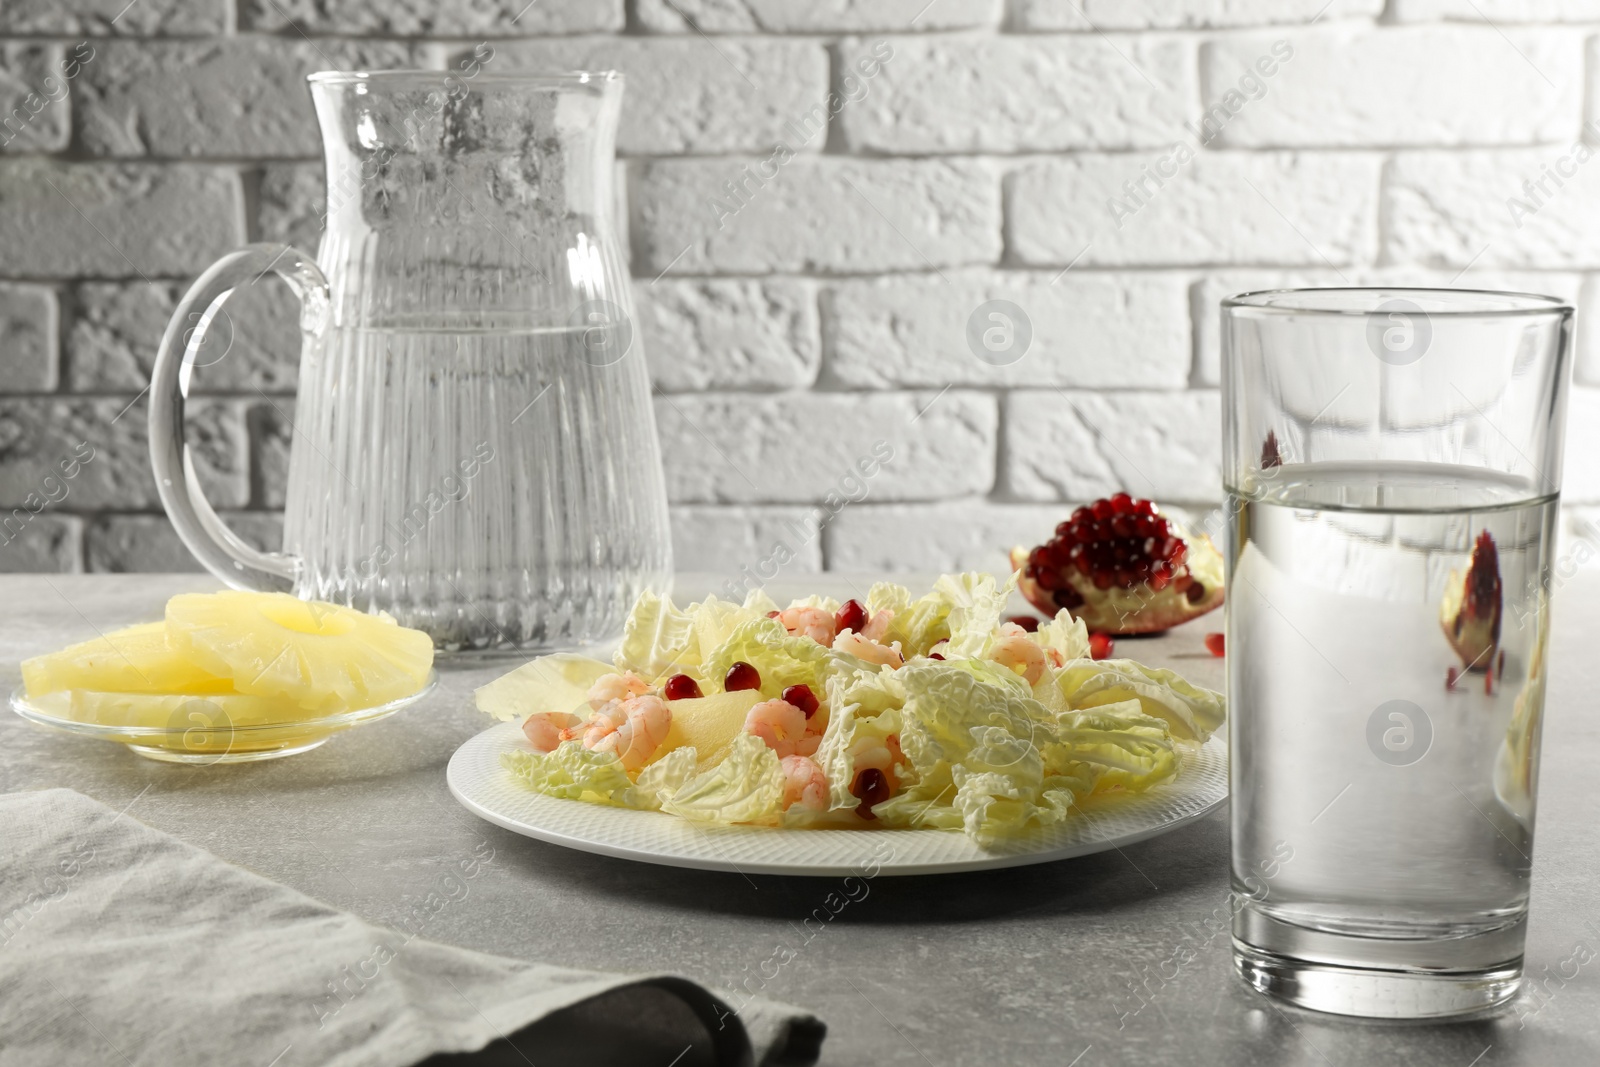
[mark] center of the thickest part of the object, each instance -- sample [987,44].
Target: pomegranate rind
[1141,609]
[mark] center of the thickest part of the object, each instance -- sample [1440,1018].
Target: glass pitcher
[474,449]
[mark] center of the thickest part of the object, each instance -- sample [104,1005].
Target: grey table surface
[1030,965]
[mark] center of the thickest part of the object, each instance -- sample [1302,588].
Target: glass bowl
[208,729]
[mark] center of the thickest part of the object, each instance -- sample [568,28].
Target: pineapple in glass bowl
[230,677]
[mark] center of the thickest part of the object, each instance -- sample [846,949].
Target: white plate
[489,791]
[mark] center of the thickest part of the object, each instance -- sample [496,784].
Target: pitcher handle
[218,548]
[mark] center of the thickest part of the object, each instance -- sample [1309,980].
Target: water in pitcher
[476,483]
[1402,782]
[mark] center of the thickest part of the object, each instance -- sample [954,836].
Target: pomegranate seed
[934,655]
[1116,541]
[1216,644]
[870,787]
[852,616]
[773,614]
[1029,623]
[681,687]
[741,676]
[1100,646]
[1450,678]
[1119,542]
[803,698]
[1270,456]
[1068,597]
[1483,580]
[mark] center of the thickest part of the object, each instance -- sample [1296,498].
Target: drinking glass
[473,448]
[1392,460]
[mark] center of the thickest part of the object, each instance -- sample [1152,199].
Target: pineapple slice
[320,656]
[218,725]
[217,713]
[133,660]
[709,725]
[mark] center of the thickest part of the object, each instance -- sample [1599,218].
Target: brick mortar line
[1008,161]
[993,32]
[1196,273]
[986,30]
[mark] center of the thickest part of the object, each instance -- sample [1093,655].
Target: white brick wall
[826,215]
[981,93]
[694,96]
[910,330]
[1110,167]
[1359,86]
[1280,208]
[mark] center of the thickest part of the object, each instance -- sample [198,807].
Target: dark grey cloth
[122,945]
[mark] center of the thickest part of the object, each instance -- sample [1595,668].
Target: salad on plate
[905,712]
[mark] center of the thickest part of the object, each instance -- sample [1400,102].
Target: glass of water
[1393,469]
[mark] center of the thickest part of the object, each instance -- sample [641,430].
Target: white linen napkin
[122,945]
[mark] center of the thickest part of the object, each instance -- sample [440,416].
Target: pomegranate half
[1470,611]
[1123,568]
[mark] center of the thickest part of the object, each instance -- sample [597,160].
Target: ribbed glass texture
[474,450]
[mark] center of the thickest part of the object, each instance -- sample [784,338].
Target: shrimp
[547,730]
[865,648]
[1018,652]
[633,728]
[884,755]
[877,627]
[782,726]
[804,783]
[809,622]
[816,726]
[609,687]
